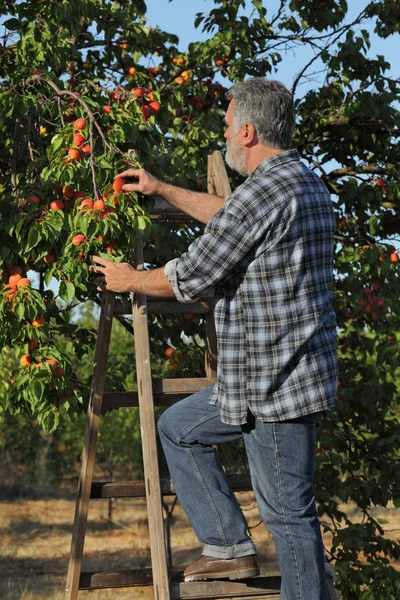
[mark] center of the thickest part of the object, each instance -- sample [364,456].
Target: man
[267,254]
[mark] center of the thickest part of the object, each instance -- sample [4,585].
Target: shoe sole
[232,576]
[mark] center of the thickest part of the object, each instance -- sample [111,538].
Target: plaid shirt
[268,257]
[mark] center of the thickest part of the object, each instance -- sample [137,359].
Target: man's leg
[188,430]
[281,459]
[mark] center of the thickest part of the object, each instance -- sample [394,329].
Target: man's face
[235,156]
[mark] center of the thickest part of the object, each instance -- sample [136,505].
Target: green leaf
[103,164]
[12,24]
[33,239]
[66,290]
[141,223]
[37,389]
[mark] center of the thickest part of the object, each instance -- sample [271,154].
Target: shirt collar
[276,161]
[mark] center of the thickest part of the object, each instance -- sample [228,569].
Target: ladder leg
[89,447]
[149,445]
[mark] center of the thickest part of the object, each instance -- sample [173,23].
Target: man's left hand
[113,277]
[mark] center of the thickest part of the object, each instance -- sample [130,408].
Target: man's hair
[268,105]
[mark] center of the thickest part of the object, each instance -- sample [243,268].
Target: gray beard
[236,159]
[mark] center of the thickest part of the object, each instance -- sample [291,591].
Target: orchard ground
[35,537]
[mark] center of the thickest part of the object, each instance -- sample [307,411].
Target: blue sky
[178,17]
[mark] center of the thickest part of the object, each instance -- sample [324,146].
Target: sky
[177,16]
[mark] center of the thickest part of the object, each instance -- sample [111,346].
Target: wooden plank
[149,445]
[164,210]
[165,392]
[89,447]
[137,489]
[168,306]
[91,580]
[256,587]
[218,182]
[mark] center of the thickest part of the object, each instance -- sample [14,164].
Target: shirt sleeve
[212,257]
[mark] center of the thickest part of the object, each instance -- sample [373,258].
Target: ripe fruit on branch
[32,344]
[169,352]
[38,322]
[146,111]
[57,205]
[86,204]
[394,257]
[68,191]
[26,360]
[118,184]
[74,154]
[154,106]
[106,109]
[32,200]
[78,239]
[80,124]
[11,288]
[380,182]
[51,362]
[50,258]
[86,149]
[98,205]
[139,91]
[111,247]
[13,280]
[132,71]
[78,139]
[78,195]
[24,282]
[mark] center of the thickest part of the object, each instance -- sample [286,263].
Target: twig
[15,155]
[124,322]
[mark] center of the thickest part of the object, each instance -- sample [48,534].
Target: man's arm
[123,278]
[196,204]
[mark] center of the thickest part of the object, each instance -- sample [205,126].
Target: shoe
[208,567]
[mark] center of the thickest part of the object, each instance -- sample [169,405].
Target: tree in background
[87,89]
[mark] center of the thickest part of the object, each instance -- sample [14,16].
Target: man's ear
[249,134]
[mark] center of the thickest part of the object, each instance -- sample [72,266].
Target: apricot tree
[87,88]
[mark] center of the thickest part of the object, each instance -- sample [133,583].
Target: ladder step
[165,392]
[167,306]
[256,587]
[90,580]
[137,489]
[163,210]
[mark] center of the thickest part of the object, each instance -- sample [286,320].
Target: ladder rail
[149,444]
[89,447]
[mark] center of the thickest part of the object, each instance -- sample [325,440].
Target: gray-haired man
[267,254]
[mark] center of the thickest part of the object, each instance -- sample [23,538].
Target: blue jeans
[281,460]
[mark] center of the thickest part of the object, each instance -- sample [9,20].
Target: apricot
[26,360]
[78,239]
[57,205]
[80,124]
[38,321]
[74,153]
[118,184]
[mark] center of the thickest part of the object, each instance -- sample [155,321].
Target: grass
[35,539]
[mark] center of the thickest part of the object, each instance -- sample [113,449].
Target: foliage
[63,61]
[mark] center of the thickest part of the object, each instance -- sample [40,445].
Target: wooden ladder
[167,585]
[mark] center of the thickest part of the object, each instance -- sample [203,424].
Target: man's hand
[147,184]
[114,277]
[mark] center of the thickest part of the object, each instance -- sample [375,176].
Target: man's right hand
[147,184]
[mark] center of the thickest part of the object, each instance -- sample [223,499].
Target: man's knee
[167,424]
